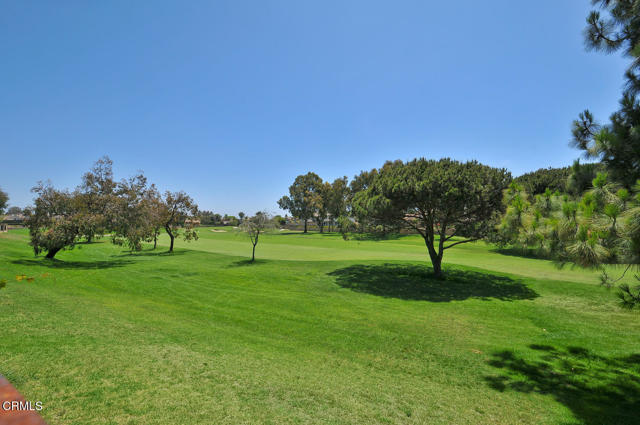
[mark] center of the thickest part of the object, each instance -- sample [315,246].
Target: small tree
[178,214]
[254,227]
[241,216]
[438,199]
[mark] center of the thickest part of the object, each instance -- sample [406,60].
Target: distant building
[13,220]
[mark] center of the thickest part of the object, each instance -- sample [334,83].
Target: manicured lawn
[319,330]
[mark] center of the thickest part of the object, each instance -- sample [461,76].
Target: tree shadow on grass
[417,282]
[248,262]
[376,236]
[59,264]
[519,252]
[133,254]
[598,390]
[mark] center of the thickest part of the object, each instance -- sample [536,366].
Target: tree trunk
[436,257]
[52,253]
[305,225]
[437,266]
[155,241]
[253,254]
[321,227]
[171,236]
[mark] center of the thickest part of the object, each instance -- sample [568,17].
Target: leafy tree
[304,198]
[322,208]
[137,211]
[55,221]
[97,197]
[4,200]
[254,227]
[241,216]
[438,199]
[338,198]
[177,214]
[362,181]
[155,213]
[617,144]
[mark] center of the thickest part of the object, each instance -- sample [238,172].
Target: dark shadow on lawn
[518,252]
[598,390]
[151,253]
[59,264]
[416,282]
[376,236]
[248,262]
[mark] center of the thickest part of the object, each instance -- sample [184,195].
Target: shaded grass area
[597,389]
[416,282]
[202,337]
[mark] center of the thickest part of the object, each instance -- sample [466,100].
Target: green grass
[319,330]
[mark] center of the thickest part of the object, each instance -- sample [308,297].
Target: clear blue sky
[230,100]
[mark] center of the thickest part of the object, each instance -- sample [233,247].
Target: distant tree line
[573,180]
[130,211]
[209,218]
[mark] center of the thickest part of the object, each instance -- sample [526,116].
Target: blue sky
[230,100]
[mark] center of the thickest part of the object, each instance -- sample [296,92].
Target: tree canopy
[447,202]
[55,221]
[305,197]
[616,144]
[132,211]
[178,212]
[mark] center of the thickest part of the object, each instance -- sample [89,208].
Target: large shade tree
[305,197]
[447,202]
[616,144]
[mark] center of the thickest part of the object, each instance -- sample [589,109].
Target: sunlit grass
[318,330]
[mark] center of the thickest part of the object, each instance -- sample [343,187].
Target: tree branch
[459,242]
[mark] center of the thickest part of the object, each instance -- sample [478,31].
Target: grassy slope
[340,332]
